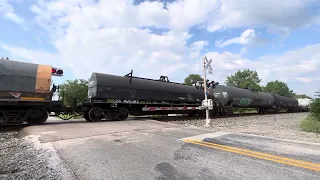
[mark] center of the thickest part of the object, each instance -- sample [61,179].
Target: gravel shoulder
[24,158]
[285,126]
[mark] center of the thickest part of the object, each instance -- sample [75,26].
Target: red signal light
[56,72]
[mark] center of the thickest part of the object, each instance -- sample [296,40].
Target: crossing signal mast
[207,103]
[56,72]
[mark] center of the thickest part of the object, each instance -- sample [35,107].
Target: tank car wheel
[123,114]
[86,117]
[37,116]
[95,114]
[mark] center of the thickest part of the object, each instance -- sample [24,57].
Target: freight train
[25,96]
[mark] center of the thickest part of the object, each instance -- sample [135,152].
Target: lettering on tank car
[126,101]
[151,102]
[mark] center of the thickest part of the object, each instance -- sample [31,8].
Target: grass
[68,116]
[310,124]
[244,110]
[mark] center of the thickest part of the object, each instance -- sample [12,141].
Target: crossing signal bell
[56,72]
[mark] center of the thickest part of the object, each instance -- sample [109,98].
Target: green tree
[192,79]
[278,87]
[73,91]
[315,109]
[244,79]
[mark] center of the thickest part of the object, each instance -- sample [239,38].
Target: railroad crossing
[149,149]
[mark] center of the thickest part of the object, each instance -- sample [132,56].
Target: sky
[280,39]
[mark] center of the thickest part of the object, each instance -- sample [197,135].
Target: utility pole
[206,65]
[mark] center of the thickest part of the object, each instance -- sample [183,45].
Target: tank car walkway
[148,149]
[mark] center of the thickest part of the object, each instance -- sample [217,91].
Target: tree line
[75,91]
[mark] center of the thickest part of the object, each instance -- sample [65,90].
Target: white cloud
[107,37]
[248,37]
[278,16]
[179,15]
[304,79]
[197,48]
[8,12]
[309,79]
[37,57]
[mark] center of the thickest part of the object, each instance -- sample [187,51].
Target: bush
[315,109]
[310,124]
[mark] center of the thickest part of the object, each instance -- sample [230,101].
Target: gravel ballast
[285,125]
[23,158]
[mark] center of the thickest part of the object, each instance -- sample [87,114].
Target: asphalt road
[148,149]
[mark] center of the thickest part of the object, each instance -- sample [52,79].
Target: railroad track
[18,127]
[186,118]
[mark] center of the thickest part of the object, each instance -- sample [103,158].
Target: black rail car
[229,97]
[119,96]
[281,102]
[102,86]
[25,95]
[238,97]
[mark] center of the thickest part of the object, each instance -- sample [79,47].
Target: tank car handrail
[131,73]
[136,77]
